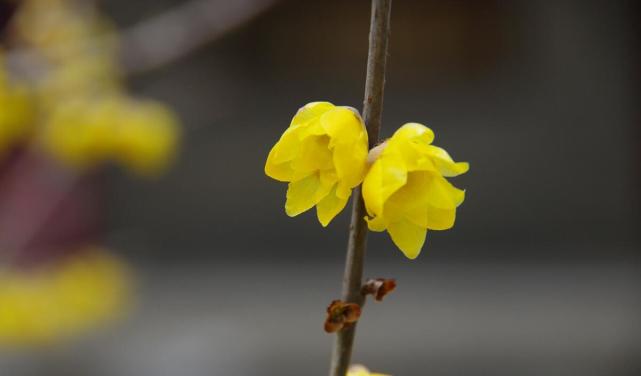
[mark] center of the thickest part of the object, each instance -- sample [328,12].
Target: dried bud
[378,287]
[340,314]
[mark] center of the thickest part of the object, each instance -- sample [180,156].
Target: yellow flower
[322,155]
[83,78]
[358,370]
[63,30]
[142,135]
[81,133]
[16,111]
[405,189]
[147,137]
[53,303]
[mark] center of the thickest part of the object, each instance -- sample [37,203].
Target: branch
[372,114]
[169,36]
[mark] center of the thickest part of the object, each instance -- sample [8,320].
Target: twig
[372,113]
[171,35]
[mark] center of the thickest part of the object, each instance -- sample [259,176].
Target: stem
[372,113]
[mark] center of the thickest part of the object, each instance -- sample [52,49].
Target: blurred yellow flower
[358,370]
[322,155]
[64,30]
[142,135]
[147,137]
[81,133]
[85,116]
[39,306]
[405,189]
[86,77]
[16,111]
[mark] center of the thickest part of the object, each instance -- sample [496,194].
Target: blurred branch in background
[171,35]
[164,38]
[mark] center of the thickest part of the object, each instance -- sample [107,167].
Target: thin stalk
[357,244]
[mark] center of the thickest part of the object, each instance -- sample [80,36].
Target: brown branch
[372,113]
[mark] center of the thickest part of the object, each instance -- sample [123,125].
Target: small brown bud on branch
[340,315]
[378,287]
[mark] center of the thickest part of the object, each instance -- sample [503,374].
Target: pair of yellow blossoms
[324,155]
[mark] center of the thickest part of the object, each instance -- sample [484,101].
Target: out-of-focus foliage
[85,116]
[63,299]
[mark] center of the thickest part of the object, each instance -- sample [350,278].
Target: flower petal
[442,194]
[385,177]
[350,162]
[328,177]
[418,215]
[278,171]
[414,131]
[411,200]
[445,164]
[359,370]
[348,144]
[287,147]
[329,207]
[314,155]
[343,190]
[342,124]
[440,219]
[303,194]
[304,124]
[410,142]
[408,237]
[309,112]
[376,223]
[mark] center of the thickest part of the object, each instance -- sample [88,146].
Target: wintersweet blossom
[358,370]
[405,189]
[46,304]
[84,115]
[16,114]
[141,135]
[322,155]
[148,137]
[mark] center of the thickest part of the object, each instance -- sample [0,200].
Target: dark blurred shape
[7,9]
[45,212]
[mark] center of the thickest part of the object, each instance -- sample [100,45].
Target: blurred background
[540,276]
